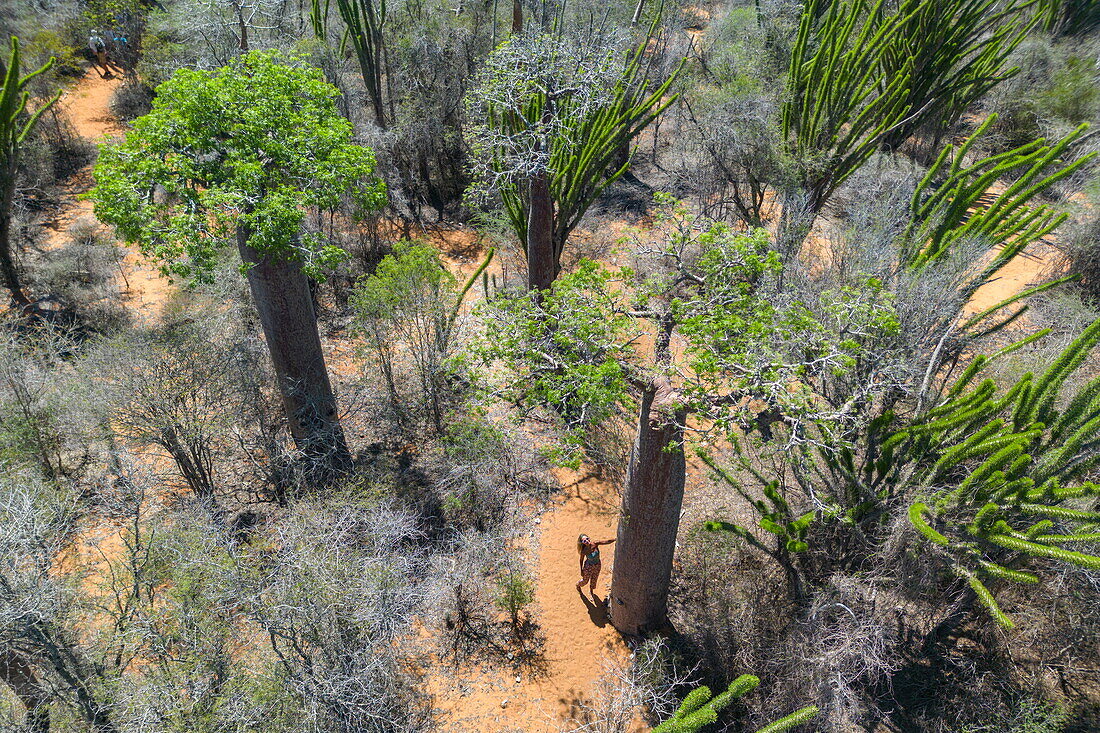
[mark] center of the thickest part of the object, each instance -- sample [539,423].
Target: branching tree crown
[554,116]
[252,144]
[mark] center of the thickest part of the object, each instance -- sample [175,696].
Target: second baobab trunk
[542,261]
[650,519]
[281,293]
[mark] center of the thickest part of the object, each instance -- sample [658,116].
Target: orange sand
[579,640]
[88,106]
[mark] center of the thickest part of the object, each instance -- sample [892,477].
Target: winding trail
[87,104]
[579,642]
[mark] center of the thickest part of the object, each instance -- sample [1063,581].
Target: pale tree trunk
[280,291]
[542,263]
[650,518]
[20,677]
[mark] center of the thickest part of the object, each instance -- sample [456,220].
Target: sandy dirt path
[87,103]
[579,641]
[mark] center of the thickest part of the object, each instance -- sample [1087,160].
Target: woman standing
[590,561]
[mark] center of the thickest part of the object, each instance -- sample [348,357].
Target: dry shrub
[1080,253]
[131,100]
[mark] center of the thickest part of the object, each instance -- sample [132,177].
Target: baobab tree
[554,114]
[574,355]
[241,153]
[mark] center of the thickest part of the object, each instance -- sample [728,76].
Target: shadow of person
[597,610]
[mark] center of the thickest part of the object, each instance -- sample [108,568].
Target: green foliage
[15,121]
[45,44]
[864,73]
[108,13]
[775,516]
[1030,716]
[408,309]
[700,709]
[839,105]
[948,206]
[412,272]
[1073,95]
[952,53]
[566,106]
[791,355]
[1002,475]
[515,591]
[991,480]
[249,145]
[569,350]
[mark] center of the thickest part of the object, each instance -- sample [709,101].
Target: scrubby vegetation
[329,325]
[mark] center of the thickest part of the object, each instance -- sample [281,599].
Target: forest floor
[578,644]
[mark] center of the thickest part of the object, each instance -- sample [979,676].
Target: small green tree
[15,124]
[242,152]
[407,309]
[514,593]
[700,709]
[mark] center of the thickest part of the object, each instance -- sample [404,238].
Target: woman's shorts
[590,572]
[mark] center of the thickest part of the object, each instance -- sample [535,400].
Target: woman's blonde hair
[580,542]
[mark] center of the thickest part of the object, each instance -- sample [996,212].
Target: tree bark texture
[20,677]
[281,292]
[7,263]
[517,17]
[542,263]
[650,517]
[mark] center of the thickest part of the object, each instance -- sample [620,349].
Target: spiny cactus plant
[839,105]
[364,21]
[867,74]
[557,119]
[700,709]
[1000,476]
[955,51]
[952,203]
[15,125]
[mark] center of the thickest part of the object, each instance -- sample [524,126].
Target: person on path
[98,48]
[589,551]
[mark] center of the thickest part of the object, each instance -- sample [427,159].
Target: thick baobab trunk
[650,516]
[517,17]
[281,292]
[20,677]
[542,264]
[7,263]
